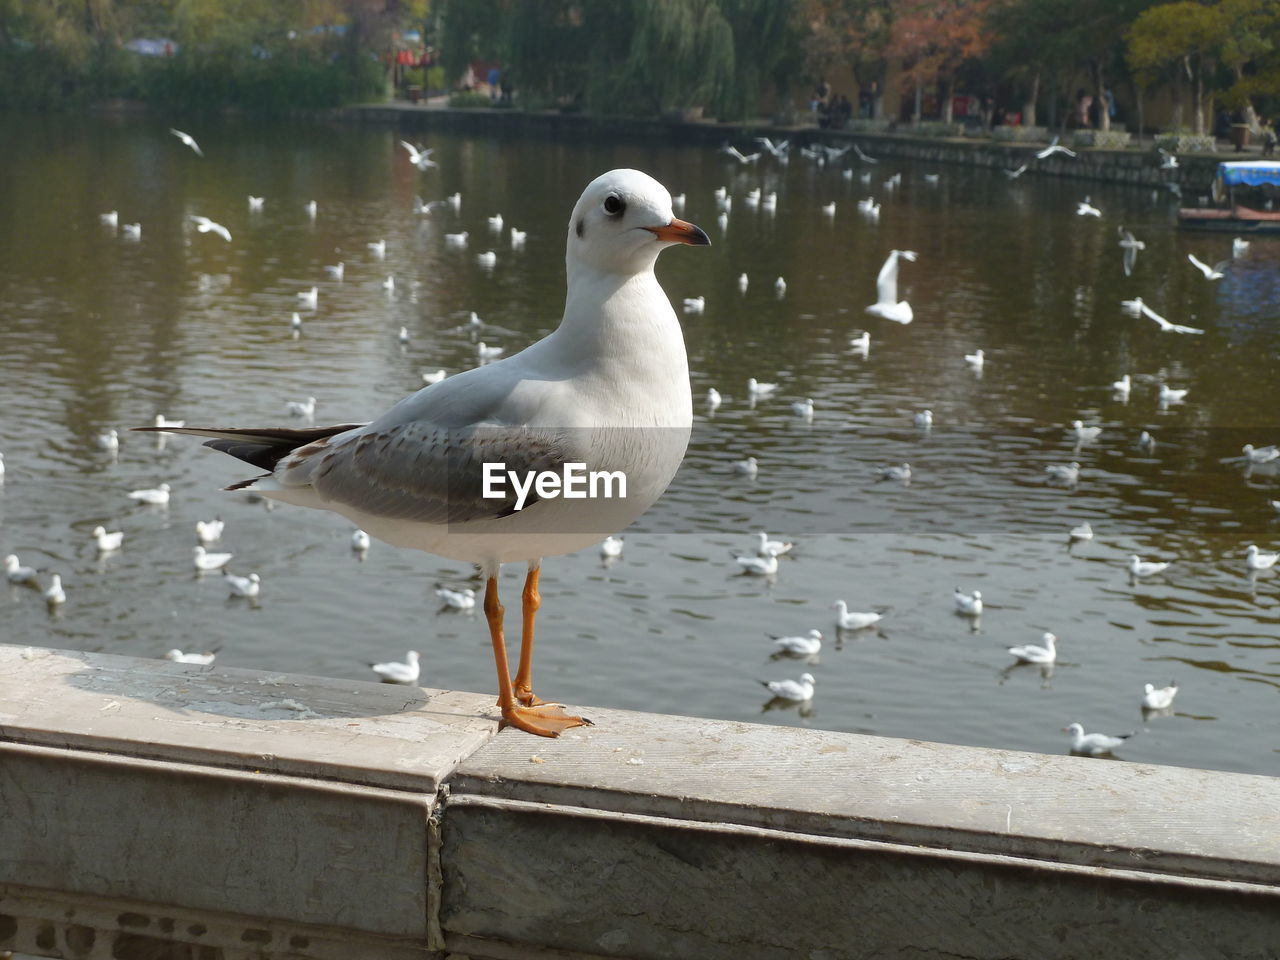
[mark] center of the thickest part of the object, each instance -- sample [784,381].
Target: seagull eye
[613,205]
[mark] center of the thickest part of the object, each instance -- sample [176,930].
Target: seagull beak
[681,231]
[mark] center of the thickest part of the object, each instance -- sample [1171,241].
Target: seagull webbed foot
[547,720]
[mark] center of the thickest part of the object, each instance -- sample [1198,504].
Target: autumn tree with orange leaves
[934,39]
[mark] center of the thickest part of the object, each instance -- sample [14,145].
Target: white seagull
[774,548]
[1123,386]
[336,270]
[1052,148]
[1044,652]
[847,619]
[1085,209]
[433,376]
[108,441]
[899,472]
[757,389]
[155,495]
[205,225]
[611,547]
[54,594]
[464,599]
[301,408]
[1254,454]
[106,542]
[1082,532]
[1257,560]
[733,151]
[1146,568]
[803,408]
[458,240]
[249,586]
[1068,473]
[713,399]
[1168,161]
[1016,172]
[1094,744]
[1170,395]
[977,360]
[200,659]
[923,419]
[796,691]
[743,280]
[495,223]
[969,604]
[887,304]
[486,352]
[255,203]
[419,157]
[15,572]
[488,260]
[780,287]
[765,566]
[189,140]
[1239,246]
[295,324]
[1084,434]
[861,343]
[805,646]
[1210,273]
[160,423]
[310,208]
[518,238]
[748,467]
[131,231]
[1165,325]
[694,304]
[110,219]
[309,298]
[378,248]
[209,531]
[1158,698]
[360,541]
[394,671]
[204,560]
[413,476]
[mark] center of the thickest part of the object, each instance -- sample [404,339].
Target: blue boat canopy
[1252,173]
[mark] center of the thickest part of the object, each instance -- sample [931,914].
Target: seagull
[396,672]
[977,360]
[1084,434]
[1127,240]
[310,208]
[796,691]
[969,604]
[1168,161]
[204,560]
[456,239]
[722,193]
[360,541]
[495,223]
[803,408]
[255,203]
[1052,148]
[713,399]
[742,283]
[248,586]
[419,157]
[869,207]
[733,151]
[207,531]
[1070,473]
[1015,173]
[189,140]
[893,182]
[309,298]
[1145,568]
[160,423]
[1210,273]
[1146,441]
[694,304]
[1082,532]
[923,419]
[131,231]
[111,219]
[677,202]
[156,495]
[1085,209]
[433,376]
[336,270]
[412,477]
[464,599]
[1034,653]
[833,153]
[887,304]
[486,352]
[778,150]
[1094,744]
[900,473]
[829,209]
[847,619]
[805,646]
[861,343]
[932,178]
[205,225]
[752,199]
[378,248]
[611,547]
[54,594]
[16,572]
[517,238]
[1123,386]
[109,441]
[389,284]
[775,548]
[862,156]
[106,542]
[295,324]
[1254,454]
[1169,395]
[780,287]
[455,200]
[201,659]
[1132,307]
[1256,560]
[1165,325]
[1239,247]
[748,467]
[1158,698]
[757,389]
[301,408]
[765,566]
[722,221]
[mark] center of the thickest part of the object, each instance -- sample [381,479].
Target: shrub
[468,99]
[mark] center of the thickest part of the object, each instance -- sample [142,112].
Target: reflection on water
[97,332]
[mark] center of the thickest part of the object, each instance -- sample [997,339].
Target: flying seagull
[189,140]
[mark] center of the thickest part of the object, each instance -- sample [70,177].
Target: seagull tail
[263,447]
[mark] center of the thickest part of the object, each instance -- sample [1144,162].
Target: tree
[935,38]
[1178,38]
[851,32]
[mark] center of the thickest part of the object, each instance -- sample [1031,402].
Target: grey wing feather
[420,472]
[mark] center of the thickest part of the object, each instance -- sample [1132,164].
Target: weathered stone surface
[348,730]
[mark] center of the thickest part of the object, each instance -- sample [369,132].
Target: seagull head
[622,221]
[808,678]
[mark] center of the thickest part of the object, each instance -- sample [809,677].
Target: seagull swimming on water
[792,690]
[1094,744]
[805,646]
[395,671]
[1045,652]
[414,478]
[1158,698]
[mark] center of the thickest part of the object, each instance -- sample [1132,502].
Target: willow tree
[766,52]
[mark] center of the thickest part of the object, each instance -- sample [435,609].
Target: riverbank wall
[152,810]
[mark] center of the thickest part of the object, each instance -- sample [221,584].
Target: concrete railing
[155,810]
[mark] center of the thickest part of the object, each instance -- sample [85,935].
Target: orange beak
[681,231]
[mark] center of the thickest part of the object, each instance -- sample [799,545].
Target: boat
[1253,178]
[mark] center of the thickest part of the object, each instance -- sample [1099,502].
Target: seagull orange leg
[545,721]
[531,602]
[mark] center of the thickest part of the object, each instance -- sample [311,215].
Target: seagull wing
[1200,264]
[887,280]
[1130,258]
[1148,312]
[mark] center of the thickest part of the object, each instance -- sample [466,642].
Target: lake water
[99,332]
